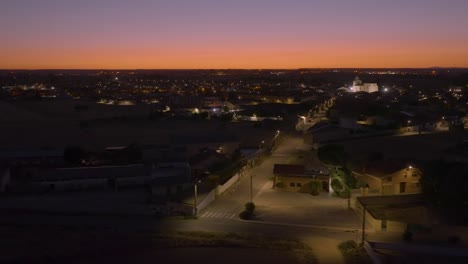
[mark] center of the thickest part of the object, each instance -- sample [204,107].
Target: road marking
[209,214]
[219,215]
[279,155]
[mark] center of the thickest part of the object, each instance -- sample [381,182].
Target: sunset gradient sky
[171,34]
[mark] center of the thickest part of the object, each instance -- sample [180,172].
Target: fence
[210,197]
[222,188]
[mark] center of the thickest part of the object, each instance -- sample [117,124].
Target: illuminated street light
[385,89]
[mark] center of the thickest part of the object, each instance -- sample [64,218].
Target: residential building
[294,177]
[389,178]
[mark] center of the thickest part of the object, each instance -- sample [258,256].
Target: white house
[359,86]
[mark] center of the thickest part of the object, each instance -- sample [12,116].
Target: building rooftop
[289,169]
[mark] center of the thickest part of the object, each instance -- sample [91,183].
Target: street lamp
[363,224]
[251,189]
[195,204]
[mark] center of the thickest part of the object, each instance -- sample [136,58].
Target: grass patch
[354,253]
[65,243]
[294,247]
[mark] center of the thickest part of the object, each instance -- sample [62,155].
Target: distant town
[374,156]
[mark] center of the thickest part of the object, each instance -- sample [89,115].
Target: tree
[337,186]
[348,178]
[445,186]
[333,155]
[316,187]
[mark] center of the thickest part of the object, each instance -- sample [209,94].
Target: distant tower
[357,85]
[357,82]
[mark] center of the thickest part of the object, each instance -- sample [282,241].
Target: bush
[280,185]
[313,187]
[337,185]
[353,253]
[316,187]
[250,207]
[347,245]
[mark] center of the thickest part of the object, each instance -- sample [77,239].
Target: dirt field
[65,245]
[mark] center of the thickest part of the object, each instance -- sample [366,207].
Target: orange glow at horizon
[248,34]
[333,56]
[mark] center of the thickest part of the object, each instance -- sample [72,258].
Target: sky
[222,34]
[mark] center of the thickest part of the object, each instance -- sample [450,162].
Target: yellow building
[389,178]
[294,177]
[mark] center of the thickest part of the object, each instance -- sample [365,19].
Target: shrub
[280,185]
[336,185]
[353,253]
[313,187]
[250,207]
[316,187]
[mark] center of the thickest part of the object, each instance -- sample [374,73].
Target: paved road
[321,221]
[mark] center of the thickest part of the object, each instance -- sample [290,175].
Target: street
[321,221]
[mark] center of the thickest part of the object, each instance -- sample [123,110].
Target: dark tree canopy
[445,186]
[333,154]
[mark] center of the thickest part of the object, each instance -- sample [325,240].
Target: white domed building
[358,86]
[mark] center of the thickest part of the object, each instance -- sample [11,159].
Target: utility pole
[251,189]
[195,209]
[363,223]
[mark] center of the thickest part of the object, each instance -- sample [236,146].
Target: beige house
[394,213]
[295,177]
[389,178]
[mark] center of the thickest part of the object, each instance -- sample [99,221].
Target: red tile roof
[289,169]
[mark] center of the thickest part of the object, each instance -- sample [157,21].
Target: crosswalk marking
[223,215]
[279,155]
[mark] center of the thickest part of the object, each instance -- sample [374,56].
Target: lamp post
[195,204]
[363,223]
[251,189]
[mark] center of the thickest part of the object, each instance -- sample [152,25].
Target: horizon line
[211,69]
